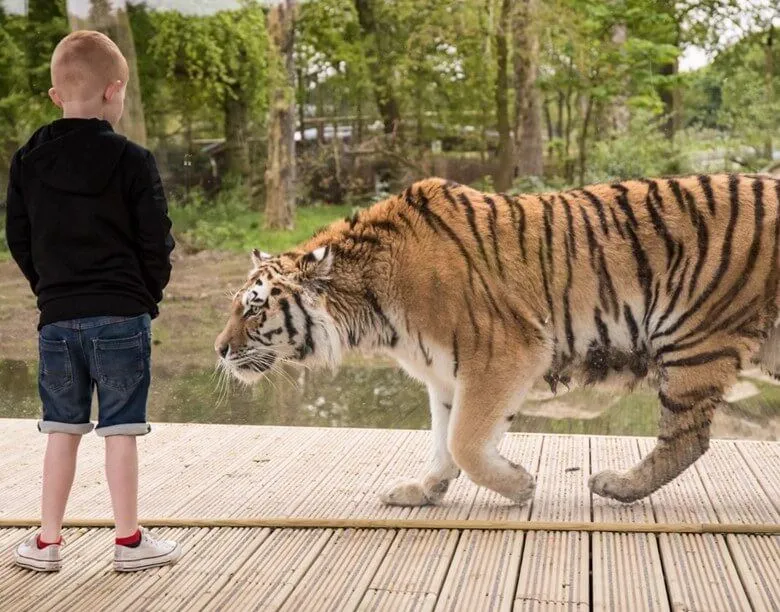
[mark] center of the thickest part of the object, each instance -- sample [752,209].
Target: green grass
[226,225]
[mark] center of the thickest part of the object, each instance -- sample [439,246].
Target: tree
[502,179]
[529,148]
[215,73]
[110,18]
[280,166]
[47,24]
[378,42]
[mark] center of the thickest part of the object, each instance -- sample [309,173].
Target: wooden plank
[84,556]
[763,458]
[258,478]
[758,562]
[483,573]
[412,571]
[409,461]
[700,574]
[105,589]
[484,570]
[271,572]
[554,566]
[626,568]
[341,574]
[736,493]
[348,473]
[10,538]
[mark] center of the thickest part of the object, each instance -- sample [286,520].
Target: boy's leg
[122,477]
[65,388]
[66,393]
[122,369]
[59,467]
[121,349]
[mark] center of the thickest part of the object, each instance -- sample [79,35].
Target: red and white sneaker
[150,552]
[46,559]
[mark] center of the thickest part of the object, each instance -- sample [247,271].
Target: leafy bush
[642,151]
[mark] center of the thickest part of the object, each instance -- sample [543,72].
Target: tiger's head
[279,316]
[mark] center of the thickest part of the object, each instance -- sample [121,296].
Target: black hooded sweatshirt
[87,222]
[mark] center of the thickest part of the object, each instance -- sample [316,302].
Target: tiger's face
[278,316]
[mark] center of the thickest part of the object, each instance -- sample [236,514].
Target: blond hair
[84,63]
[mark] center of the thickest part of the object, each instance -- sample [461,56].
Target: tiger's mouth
[249,370]
[258,367]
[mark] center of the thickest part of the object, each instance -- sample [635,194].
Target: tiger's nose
[222,349]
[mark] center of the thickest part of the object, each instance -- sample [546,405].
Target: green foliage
[226,223]
[642,151]
[47,24]
[190,65]
[436,61]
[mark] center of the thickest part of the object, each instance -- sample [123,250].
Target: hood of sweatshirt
[75,155]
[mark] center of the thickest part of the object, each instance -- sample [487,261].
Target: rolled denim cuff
[125,429]
[48,427]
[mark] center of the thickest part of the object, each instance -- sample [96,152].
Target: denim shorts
[110,354]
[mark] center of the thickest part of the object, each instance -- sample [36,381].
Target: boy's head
[88,76]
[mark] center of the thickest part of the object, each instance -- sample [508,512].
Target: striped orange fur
[479,296]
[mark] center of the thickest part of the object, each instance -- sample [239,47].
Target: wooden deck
[232,472]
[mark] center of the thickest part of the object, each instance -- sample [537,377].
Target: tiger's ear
[317,263]
[259,257]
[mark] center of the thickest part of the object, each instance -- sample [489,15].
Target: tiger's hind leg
[434,484]
[689,394]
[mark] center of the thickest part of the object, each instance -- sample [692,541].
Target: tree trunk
[670,98]
[236,137]
[569,173]
[528,124]
[359,122]
[769,86]
[502,180]
[111,19]
[280,169]
[618,113]
[302,104]
[382,71]
[582,145]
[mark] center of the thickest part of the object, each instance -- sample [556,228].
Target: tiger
[671,282]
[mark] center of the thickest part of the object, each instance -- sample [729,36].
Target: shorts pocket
[120,361]
[55,370]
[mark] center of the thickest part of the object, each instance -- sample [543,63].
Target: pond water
[368,393]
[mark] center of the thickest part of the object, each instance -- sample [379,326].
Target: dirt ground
[192,314]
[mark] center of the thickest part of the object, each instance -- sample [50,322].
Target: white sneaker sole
[38,565]
[136,565]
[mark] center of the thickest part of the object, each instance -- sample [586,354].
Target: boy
[88,226]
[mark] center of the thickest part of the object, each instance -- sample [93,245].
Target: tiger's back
[613,276]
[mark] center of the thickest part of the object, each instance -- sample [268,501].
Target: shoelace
[148,537]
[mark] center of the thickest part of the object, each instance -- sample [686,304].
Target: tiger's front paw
[405,493]
[615,485]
